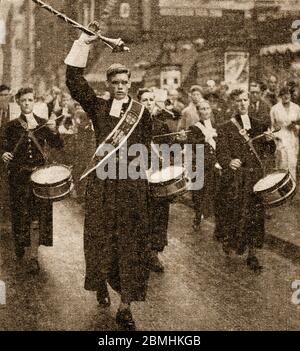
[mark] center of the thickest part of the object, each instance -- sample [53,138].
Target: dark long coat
[240,221]
[261,112]
[204,199]
[24,206]
[117,228]
[4,194]
[160,207]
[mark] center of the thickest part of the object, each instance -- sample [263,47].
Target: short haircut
[143,91]
[254,85]
[4,87]
[116,68]
[284,90]
[24,91]
[263,86]
[237,92]
[204,102]
[196,88]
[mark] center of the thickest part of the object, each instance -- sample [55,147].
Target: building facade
[232,40]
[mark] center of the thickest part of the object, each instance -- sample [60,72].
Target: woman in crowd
[286,116]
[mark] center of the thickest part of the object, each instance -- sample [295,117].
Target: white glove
[88,39]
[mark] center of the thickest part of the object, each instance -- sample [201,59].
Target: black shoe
[124,320]
[253,264]
[34,266]
[103,297]
[154,263]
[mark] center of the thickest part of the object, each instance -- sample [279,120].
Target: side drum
[52,182]
[168,182]
[276,188]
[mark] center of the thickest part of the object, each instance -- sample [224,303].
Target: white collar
[28,115]
[116,106]
[246,122]
[31,121]
[207,123]
[124,101]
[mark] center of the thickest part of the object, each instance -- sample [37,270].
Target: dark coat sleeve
[223,148]
[195,136]
[81,91]
[147,128]
[8,138]
[264,147]
[53,140]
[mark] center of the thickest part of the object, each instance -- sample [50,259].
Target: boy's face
[26,103]
[148,100]
[242,103]
[272,83]
[119,85]
[204,110]
[196,96]
[286,98]
[254,94]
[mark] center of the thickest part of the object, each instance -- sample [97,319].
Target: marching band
[126,220]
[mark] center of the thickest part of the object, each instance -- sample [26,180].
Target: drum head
[51,174]
[166,174]
[270,181]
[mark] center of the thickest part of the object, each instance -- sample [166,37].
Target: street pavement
[199,290]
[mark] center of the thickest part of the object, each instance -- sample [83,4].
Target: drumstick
[18,143]
[22,137]
[170,134]
[45,124]
[263,134]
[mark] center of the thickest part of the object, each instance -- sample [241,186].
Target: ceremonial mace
[117,45]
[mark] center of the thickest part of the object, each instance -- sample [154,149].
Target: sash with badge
[118,136]
[210,133]
[243,132]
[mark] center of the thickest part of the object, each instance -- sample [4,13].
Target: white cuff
[78,54]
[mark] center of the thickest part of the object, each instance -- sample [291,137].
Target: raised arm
[76,61]
[79,87]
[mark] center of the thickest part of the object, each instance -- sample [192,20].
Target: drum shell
[170,188]
[279,193]
[55,191]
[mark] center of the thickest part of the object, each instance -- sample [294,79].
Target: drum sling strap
[31,136]
[206,133]
[245,135]
[210,140]
[117,137]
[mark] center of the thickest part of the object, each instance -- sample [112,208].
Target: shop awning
[139,53]
[279,49]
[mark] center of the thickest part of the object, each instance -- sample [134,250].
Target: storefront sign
[237,69]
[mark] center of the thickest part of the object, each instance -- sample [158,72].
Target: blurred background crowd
[185,51]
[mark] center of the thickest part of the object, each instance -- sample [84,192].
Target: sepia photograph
[149,168]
